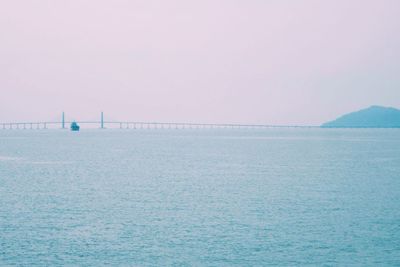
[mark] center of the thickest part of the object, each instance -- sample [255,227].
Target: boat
[74,126]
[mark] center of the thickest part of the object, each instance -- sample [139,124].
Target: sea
[200,197]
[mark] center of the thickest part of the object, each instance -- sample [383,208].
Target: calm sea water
[200,197]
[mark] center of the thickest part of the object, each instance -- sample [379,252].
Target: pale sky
[208,61]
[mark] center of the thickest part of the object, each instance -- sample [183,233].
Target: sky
[298,62]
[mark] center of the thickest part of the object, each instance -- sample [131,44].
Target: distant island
[372,117]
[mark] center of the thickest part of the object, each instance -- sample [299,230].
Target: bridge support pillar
[63,121]
[102,120]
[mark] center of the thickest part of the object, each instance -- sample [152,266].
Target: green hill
[372,117]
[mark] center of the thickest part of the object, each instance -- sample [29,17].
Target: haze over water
[200,197]
[300,62]
[205,197]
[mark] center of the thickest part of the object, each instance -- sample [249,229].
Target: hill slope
[372,117]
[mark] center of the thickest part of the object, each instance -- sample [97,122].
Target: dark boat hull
[74,127]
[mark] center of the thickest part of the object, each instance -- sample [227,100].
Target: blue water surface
[273,197]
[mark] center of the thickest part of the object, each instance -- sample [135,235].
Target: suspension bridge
[104,124]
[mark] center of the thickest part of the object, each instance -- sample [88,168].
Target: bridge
[103,124]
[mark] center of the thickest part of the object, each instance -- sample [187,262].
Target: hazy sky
[239,61]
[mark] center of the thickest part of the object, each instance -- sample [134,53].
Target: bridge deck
[141,124]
